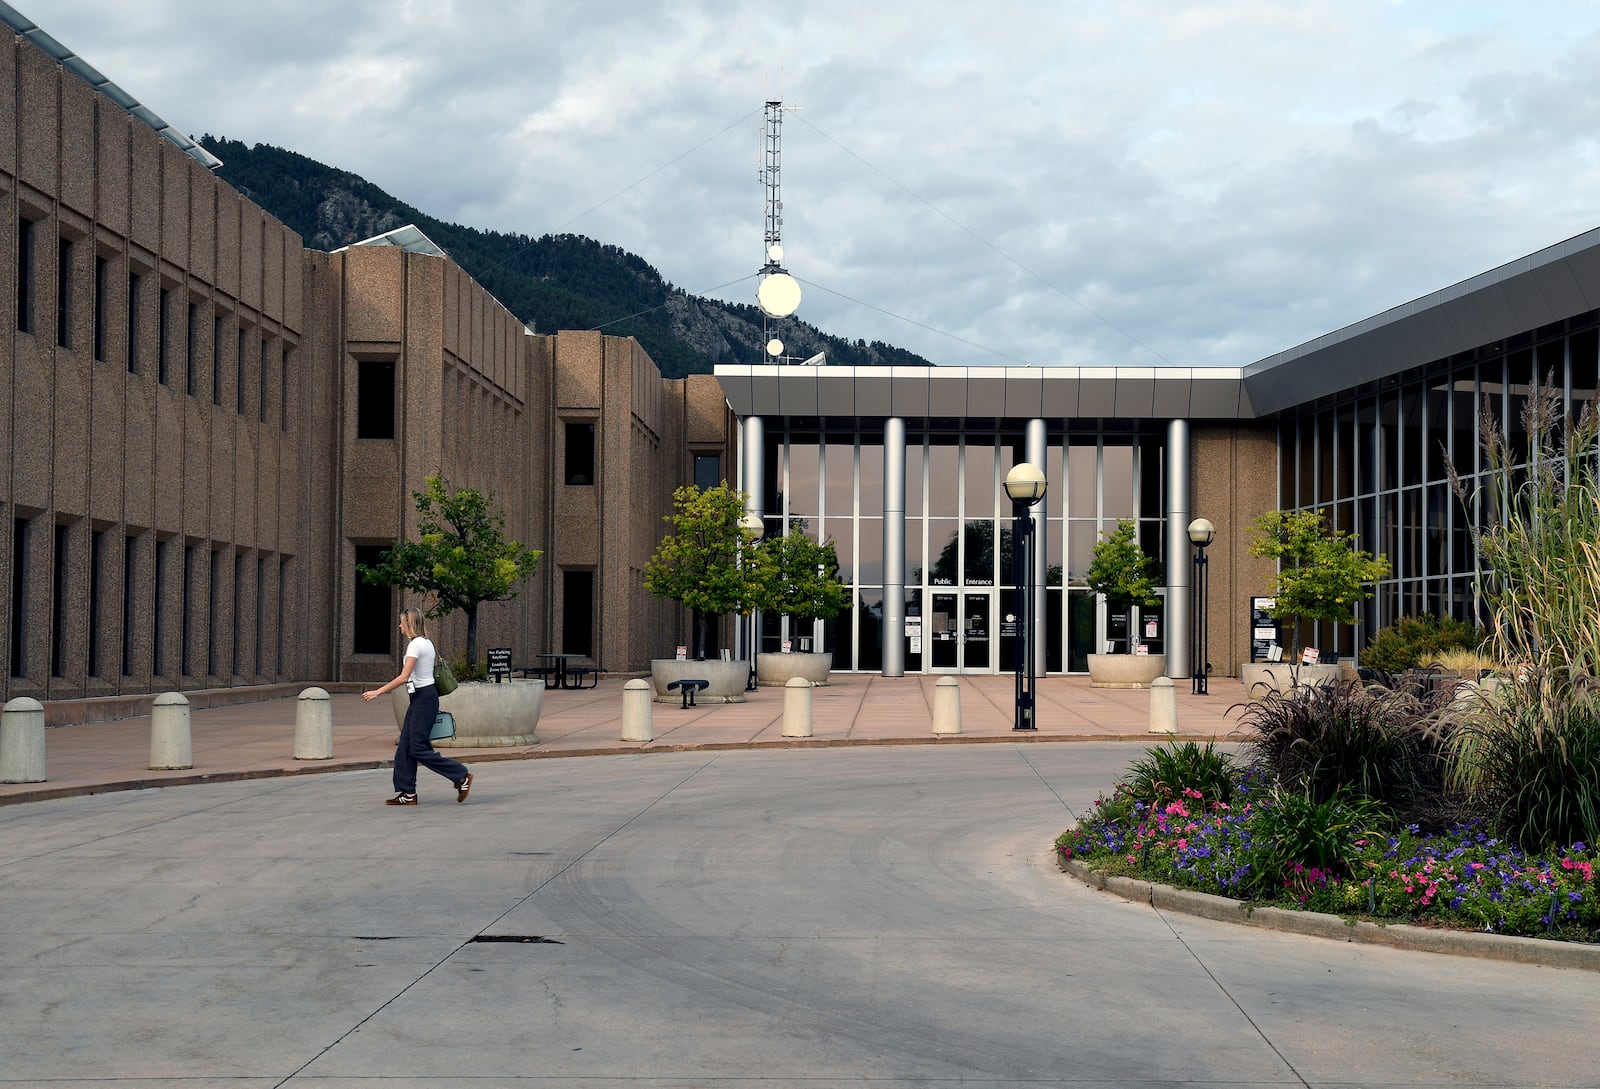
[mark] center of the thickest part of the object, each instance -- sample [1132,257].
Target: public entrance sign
[1263,629]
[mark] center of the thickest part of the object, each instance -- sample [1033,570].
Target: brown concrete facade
[1234,478]
[186,480]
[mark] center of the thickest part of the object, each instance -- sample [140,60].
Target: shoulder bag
[443,678]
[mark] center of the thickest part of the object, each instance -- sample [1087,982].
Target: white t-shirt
[421,673]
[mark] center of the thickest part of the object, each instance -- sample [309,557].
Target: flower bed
[1464,877]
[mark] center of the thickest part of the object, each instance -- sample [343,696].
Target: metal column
[1179,565]
[894,547]
[1036,451]
[752,475]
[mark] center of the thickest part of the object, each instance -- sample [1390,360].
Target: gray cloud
[1053,183]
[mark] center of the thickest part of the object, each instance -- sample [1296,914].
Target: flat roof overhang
[774,389]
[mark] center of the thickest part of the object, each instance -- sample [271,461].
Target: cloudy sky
[1138,182]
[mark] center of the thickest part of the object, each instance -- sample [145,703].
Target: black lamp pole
[1021,540]
[1025,486]
[1201,533]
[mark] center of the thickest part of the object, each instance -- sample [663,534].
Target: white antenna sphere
[774,253]
[774,347]
[779,295]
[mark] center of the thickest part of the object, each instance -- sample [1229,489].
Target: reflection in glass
[944,548]
[914,481]
[871,488]
[983,489]
[943,464]
[1081,537]
[869,554]
[869,633]
[1082,470]
[803,481]
[978,565]
[913,568]
[841,479]
[839,530]
[1080,629]
[1116,482]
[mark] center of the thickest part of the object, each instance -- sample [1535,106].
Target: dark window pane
[580,454]
[375,400]
[577,612]
[374,606]
[707,470]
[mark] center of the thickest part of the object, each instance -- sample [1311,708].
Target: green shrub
[1297,836]
[1372,742]
[1414,641]
[1166,771]
[1530,758]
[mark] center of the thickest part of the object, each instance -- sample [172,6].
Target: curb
[485,756]
[1461,943]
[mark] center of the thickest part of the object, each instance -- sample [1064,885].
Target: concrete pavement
[257,739]
[867,907]
[885,916]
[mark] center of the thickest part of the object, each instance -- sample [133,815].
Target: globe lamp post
[1201,534]
[1025,487]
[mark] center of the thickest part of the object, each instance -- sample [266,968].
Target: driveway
[880,917]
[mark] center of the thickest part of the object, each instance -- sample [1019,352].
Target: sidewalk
[257,740]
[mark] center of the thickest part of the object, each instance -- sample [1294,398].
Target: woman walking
[415,746]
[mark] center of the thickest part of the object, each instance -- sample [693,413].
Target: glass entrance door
[960,634]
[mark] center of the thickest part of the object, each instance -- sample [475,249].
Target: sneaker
[403,799]
[462,788]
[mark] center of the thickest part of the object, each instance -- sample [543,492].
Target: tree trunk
[472,636]
[700,628]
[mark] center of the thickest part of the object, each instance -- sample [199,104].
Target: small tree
[1321,574]
[706,564]
[462,558]
[799,578]
[1121,570]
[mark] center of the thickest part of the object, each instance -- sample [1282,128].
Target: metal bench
[544,673]
[576,675]
[689,686]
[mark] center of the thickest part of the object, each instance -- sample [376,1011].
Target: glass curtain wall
[1377,461]
[961,599]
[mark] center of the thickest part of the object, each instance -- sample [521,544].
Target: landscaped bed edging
[1463,943]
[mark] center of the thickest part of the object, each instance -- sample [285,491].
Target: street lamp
[1025,485]
[750,526]
[1201,533]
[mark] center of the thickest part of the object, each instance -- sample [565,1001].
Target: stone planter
[487,715]
[776,670]
[1260,678]
[727,678]
[1125,670]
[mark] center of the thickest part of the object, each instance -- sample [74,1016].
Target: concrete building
[206,426]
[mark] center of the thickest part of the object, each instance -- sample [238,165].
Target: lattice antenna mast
[772,178]
[777,294]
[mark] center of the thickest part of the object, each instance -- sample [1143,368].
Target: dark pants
[415,748]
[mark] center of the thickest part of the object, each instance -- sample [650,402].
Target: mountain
[563,281]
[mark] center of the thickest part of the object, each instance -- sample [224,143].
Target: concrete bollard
[947,706]
[313,726]
[637,702]
[1163,706]
[170,749]
[22,741]
[797,708]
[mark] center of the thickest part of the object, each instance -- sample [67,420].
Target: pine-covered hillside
[555,282]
